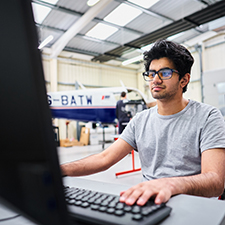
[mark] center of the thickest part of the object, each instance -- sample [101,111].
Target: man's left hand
[160,189]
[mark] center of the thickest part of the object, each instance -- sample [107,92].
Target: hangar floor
[67,154]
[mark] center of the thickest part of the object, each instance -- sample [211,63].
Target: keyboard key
[110,210]
[91,200]
[109,198]
[137,217]
[95,207]
[71,201]
[102,208]
[136,209]
[104,203]
[127,208]
[77,203]
[120,205]
[98,201]
[85,204]
[146,211]
[119,213]
[112,204]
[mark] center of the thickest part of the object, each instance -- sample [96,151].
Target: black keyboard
[100,208]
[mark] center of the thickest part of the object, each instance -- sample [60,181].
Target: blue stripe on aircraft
[103,115]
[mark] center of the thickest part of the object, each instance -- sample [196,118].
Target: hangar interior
[74,57]
[74,54]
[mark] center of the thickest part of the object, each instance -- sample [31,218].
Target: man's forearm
[206,184]
[89,165]
[98,162]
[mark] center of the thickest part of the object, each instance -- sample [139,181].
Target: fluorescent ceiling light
[144,3]
[92,2]
[45,42]
[101,31]
[122,15]
[40,12]
[53,2]
[135,59]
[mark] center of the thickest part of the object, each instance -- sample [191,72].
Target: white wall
[214,72]
[194,86]
[214,55]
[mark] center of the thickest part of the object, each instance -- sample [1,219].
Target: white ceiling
[70,20]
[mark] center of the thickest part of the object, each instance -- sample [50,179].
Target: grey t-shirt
[172,145]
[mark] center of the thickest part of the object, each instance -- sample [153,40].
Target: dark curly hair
[123,94]
[178,54]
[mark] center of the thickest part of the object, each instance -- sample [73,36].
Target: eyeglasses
[164,74]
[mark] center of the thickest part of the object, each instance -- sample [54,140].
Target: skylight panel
[92,2]
[122,15]
[144,3]
[40,12]
[53,2]
[101,31]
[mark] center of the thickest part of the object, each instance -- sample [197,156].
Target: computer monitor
[30,179]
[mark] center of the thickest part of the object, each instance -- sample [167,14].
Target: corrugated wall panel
[194,86]
[94,75]
[195,71]
[215,57]
[113,77]
[193,91]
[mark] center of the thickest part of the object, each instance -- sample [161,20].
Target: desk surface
[186,210]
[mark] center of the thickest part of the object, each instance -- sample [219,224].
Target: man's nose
[157,79]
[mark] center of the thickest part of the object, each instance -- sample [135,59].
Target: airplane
[93,105]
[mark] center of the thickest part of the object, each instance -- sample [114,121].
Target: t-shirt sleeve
[213,131]
[128,134]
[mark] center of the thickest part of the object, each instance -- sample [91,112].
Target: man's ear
[185,80]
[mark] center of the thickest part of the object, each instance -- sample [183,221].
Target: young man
[181,143]
[120,112]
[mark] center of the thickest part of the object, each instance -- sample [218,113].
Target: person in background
[121,114]
[181,142]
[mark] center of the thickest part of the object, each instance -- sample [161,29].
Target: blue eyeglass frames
[164,74]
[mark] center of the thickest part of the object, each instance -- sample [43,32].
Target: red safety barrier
[133,164]
[133,167]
